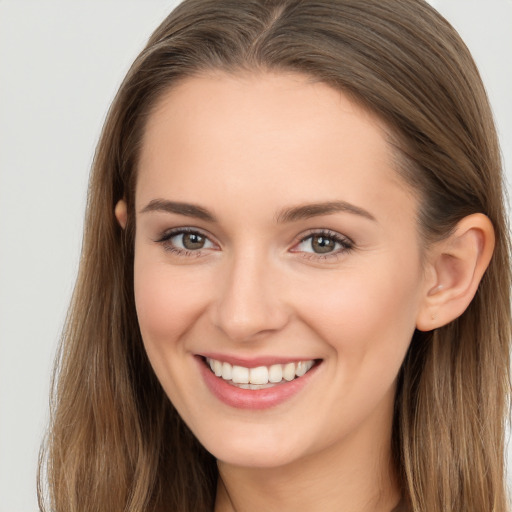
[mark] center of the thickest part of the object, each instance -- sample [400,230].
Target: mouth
[259,377]
[258,383]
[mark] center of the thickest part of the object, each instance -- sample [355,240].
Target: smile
[260,377]
[260,383]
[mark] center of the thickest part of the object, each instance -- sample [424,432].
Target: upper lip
[254,362]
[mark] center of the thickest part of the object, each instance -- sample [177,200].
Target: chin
[265,449]
[255,459]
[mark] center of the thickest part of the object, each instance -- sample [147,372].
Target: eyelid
[347,244]
[325,232]
[168,233]
[344,241]
[165,237]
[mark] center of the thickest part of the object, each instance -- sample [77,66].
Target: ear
[121,213]
[455,267]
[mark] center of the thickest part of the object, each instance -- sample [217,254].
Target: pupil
[322,244]
[193,241]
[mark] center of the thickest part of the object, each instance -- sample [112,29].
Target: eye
[324,243]
[185,241]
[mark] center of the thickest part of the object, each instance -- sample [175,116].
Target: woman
[294,288]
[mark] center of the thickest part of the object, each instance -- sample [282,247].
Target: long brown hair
[115,441]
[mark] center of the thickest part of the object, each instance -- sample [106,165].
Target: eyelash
[346,243]
[164,240]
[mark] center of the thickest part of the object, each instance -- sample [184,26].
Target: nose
[249,301]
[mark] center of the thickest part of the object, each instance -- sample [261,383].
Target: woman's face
[273,235]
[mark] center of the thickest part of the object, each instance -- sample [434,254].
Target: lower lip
[255,399]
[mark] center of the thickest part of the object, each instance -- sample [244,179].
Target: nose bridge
[248,303]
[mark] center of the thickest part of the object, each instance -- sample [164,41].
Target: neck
[353,476]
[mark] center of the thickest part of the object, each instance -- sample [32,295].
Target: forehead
[266,136]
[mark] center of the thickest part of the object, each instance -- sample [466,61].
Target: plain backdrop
[60,65]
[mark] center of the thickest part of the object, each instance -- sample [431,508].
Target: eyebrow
[187,209]
[306,211]
[287,215]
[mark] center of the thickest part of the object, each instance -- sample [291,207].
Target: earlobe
[456,266]
[121,213]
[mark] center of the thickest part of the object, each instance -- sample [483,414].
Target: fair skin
[244,274]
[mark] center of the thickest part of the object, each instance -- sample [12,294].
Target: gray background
[60,65]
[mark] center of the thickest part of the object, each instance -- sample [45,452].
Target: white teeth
[289,371]
[261,376]
[303,367]
[240,375]
[275,373]
[217,368]
[258,375]
[254,386]
[227,371]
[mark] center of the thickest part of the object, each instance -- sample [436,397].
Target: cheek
[366,313]
[167,303]
[367,319]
